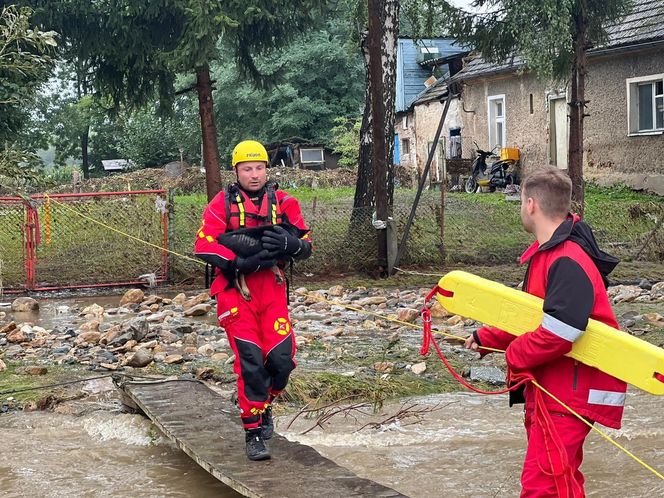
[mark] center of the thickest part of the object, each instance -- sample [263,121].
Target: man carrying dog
[259,331]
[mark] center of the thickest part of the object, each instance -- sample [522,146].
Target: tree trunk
[85,139]
[385,14]
[208,131]
[577,110]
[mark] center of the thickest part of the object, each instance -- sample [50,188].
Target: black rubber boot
[256,449]
[267,424]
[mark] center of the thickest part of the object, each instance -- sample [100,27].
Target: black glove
[281,243]
[259,261]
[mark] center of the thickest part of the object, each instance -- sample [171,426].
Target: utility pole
[379,145]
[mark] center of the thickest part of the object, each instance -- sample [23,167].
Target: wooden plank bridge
[207,428]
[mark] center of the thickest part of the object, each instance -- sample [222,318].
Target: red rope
[560,469]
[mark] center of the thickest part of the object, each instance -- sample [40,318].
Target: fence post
[31,235]
[169,234]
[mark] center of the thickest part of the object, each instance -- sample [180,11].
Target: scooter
[498,177]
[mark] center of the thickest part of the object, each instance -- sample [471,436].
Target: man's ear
[531,204]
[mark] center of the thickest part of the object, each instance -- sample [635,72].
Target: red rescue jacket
[232,209]
[569,273]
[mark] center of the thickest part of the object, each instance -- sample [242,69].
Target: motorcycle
[497,177]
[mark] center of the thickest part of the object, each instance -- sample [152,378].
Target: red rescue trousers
[538,479]
[261,336]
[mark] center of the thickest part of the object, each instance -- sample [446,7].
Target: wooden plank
[207,428]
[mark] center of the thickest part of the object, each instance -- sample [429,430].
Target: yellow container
[509,153]
[610,350]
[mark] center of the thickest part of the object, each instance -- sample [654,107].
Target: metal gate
[67,241]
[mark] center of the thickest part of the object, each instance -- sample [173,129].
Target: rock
[181,329]
[628,323]
[152,299]
[201,298]
[407,315]
[437,311]
[455,320]
[34,370]
[372,300]
[624,293]
[91,326]
[198,310]
[2,315]
[369,325]
[190,340]
[383,366]
[206,350]
[645,284]
[3,366]
[8,328]
[230,360]
[219,357]
[90,337]
[93,309]
[25,304]
[59,351]
[132,296]
[109,366]
[653,317]
[335,291]
[204,373]
[173,359]
[179,299]
[336,332]
[168,337]
[657,291]
[17,336]
[492,375]
[314,297]
[138,328]
[419,368]
[141,358]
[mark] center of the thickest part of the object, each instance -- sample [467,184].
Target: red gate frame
[32,240]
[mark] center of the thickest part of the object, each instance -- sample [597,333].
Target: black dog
[246,242]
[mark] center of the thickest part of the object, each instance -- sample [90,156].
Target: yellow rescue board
[613,351]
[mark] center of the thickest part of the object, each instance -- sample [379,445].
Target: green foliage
[25,63]
[346,140]
[542,31]
[149,140]
[320,81]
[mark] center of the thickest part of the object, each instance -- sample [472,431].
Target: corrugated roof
[644,24]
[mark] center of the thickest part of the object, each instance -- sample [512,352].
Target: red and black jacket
[569,272]
[232,209]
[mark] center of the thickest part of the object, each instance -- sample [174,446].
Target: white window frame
[404,153]
[632,86]
[490,99]
[404,121]
[322,155]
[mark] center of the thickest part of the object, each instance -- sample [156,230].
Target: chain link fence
[83,240]
[472,229]
[88,240]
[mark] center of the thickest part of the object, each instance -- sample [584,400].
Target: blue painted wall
[410,76]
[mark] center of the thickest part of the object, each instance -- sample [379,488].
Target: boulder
[198,310]
[8,328]
[657,291]
[419,368]
[201,298]
[141,358]
[134,296]
[407,315]
[180,299]
[372,300]
[89,337]
[94,310]
[25,304]
[336,291]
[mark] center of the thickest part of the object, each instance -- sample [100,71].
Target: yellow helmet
[249,150]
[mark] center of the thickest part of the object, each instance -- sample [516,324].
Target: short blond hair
[551,188]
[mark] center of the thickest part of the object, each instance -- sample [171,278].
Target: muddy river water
[458,445]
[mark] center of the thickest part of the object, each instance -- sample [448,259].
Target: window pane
[659,87]
[499,108]
[659,112]
[499,134]
[311,155]
[645,107]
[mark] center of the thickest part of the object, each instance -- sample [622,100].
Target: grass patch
[11,379]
